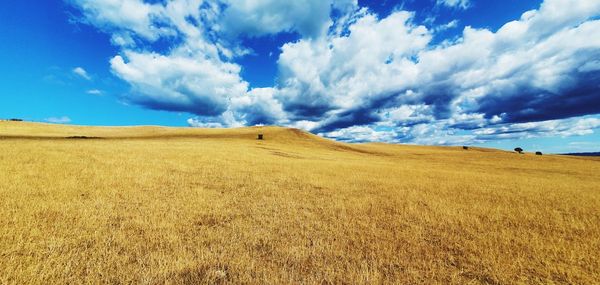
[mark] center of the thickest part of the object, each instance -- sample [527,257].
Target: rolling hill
[186,206]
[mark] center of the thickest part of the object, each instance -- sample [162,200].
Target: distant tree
[519,150]
[465,147]
[538,153]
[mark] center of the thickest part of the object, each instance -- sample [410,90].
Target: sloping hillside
[180,205]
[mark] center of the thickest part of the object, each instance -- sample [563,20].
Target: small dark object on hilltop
[16,120]
[82,138]
[260,136]
[519,150]
[538,153]
[465,147]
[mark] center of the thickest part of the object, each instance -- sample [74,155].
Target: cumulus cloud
[79,71]
[524,72]
[259,106]
[435,133]
[180,83]
[58,120]
[342,76]
[353,75]
[131,17]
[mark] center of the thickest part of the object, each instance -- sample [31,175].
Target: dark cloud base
[533,105]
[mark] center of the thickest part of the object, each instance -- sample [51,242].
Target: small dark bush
[538,153]
[260,136]
[16,120]
[465,147]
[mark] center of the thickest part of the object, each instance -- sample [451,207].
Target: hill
[584,154]
[181,205]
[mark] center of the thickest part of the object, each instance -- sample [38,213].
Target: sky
[486,73]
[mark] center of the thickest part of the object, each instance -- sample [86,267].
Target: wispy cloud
[58,120]
[82,73]
[461,4]
[450,25]
[94,92]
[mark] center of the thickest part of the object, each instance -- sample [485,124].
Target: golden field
[152,205]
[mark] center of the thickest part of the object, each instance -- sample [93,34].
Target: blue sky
[443,72]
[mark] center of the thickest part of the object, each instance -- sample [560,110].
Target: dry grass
[155,205]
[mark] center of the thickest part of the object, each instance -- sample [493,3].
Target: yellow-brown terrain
[153,205]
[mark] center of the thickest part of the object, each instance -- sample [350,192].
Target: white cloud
[260,17]
[450,25]
[310,18]
[94,92]
[551,128]
[180,83]
[358,75]
[82,73]
[259,106]
[363,134]
[342,72]
[132,16]
[468,84]
[462,4]
[196,123]
[425,134]
[58,120]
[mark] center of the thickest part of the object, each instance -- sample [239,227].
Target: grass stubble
[151,205]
